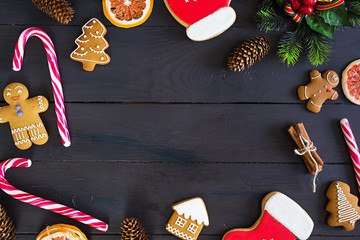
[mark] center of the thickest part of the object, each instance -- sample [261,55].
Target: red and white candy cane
[41,202]
[353,148]
[54,73]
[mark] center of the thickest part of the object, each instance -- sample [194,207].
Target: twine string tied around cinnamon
[308,147]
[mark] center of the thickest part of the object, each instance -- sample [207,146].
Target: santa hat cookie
[281,219]
[203,19]
[188,219]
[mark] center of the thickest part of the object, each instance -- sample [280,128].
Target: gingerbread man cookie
[319,89]
[343,206]
[23,115]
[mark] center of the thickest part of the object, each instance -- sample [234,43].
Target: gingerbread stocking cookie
[203,19]
[281,219]
[319,89]
[23,115]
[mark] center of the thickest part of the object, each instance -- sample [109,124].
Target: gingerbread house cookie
[188,219]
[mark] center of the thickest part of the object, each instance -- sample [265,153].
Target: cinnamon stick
[294,132]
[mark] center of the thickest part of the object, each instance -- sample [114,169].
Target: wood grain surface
[165,121]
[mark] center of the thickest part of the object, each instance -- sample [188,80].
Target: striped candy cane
[41,202]
[54,73]
[352,146]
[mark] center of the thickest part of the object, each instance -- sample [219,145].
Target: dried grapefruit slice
[351,82]
[127,13]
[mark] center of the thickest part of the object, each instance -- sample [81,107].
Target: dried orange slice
[351,82]
[127,13]
[61,232]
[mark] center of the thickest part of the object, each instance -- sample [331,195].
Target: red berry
[309,2]
[295,4]
[308,10]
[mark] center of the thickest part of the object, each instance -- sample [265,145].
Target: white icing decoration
[95,36]
[315,104]
[316,76]
[17,130]
[305,93]
[82,48]
[193,208]
[85,36]
[319,91]
[97,52]
[332,98]
[325,86]
[36,137]
[314,95]
[212,25]
[88,27]
[178,233]
[41,104]
[346,212]
[102,58]
[22,142]
[287,212]
[80,54]
[335,78]
[97,32]
[81,41]
[97,46]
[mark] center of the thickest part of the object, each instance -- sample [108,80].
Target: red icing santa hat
[203,19]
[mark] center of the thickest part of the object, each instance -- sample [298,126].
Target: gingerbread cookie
[91,45]
[61,232]
[281,218]
[342,206]
[188,219]
[319,89]
[23,115]
[203,19]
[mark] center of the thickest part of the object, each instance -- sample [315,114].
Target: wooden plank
[159,17]
[113,191]
[160,64]
[189,133]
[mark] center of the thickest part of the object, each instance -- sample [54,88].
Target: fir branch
[290,45]
[318,49]
[269,20]
[267,5]
[353,9]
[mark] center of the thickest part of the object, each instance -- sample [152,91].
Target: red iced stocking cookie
[203,19]
[281,219]
[23,116]
[319,89]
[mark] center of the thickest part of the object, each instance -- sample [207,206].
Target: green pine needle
[318,49]
[290,44]
[268,20]
[353,8]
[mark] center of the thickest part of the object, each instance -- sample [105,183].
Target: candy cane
[352,146]
[54,73]
[41,202]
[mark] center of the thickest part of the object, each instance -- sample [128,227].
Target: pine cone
[59,10]
[250,51]
[132,230]
[7,228]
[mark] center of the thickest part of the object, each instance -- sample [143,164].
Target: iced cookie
[91,45]
[203,19]
[319,89]
[281,218]
[23,116]
[188,219]
[342,206]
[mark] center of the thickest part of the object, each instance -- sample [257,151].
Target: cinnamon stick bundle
[297,130]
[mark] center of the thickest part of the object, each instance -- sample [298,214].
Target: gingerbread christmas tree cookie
[23,115]
[342,206]
[91,45]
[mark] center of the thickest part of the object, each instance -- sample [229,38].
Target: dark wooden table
[166,121]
